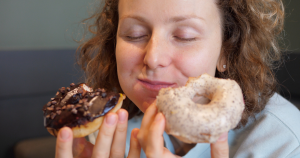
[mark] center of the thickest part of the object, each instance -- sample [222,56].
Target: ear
[221,62]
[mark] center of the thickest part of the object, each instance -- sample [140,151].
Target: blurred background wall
[292,25]
[41,24]
[37,56]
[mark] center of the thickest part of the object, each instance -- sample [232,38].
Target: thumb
[135,147]
[64,143]
[220,149]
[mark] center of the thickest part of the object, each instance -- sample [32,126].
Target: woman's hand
[110,141]
[220,149]
[150,137]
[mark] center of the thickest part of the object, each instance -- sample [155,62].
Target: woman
[140,46]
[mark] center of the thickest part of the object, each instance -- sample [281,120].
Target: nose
[157,53]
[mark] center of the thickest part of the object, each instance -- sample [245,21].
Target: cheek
[127,57]
[122,58]
[195,64]
[129,62]
[123,68]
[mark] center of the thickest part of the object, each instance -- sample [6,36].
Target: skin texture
[165,42]
[160,43]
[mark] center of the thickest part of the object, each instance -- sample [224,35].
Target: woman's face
[160,43]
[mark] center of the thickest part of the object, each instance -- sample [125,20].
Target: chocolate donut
[81,108]
[192,122]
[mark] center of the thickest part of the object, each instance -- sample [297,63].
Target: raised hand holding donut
[220,149]
[110,141]
[150,137]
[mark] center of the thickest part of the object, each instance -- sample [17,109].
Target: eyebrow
[139,18]
[171,20]
[186,17]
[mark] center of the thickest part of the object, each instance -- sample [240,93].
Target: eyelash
[131,38]
[135,38]
[185,39]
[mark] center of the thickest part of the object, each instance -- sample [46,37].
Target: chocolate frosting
[77,105]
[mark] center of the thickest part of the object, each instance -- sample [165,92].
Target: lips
[155,85]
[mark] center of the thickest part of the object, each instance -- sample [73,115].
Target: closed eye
[185,39]
[136,38]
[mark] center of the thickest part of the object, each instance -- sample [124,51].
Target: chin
[143,103]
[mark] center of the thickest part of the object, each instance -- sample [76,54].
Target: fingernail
[64,134]
[158,117]
[110,119]
[122,116]
[223,137]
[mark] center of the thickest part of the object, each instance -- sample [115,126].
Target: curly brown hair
[251,31]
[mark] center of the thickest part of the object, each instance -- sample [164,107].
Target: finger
[135,148]
[105,136]
[148,116]
[64,143]
[220,149]
[146,123]
[155,141]
[119,140]
[82,148]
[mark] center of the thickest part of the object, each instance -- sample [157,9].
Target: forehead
[165,9]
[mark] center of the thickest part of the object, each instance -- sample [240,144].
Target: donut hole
[200,99]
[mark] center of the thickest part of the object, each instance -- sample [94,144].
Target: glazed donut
[193,122]
[81,108]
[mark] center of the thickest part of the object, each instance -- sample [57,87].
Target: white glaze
[195,123]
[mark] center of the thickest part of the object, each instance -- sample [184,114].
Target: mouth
[155,85]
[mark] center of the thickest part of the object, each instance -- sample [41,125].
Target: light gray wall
[40,24]
[51,24]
